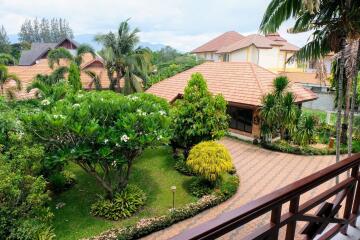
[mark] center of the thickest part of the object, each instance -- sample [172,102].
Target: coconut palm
[124,60]
[332,23]
[6,77]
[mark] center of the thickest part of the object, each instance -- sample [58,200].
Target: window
[212,56]
[226,57]
[240,119]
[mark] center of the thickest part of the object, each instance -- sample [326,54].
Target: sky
[182,24]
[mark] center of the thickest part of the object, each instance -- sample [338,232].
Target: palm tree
[6,77]
[124,60]
[332,22]
[58,54]
[48,85]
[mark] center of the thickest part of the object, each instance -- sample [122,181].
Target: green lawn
[153,172]
[321,114]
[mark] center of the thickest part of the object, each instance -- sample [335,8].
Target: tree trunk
[340,91]
[344,126]
[353,99]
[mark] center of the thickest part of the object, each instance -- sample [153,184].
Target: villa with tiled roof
[34,61]
[243,84]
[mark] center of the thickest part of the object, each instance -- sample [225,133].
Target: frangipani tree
[102,132]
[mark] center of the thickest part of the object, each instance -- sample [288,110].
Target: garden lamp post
[173,189]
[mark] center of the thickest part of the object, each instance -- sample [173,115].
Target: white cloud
[183,24]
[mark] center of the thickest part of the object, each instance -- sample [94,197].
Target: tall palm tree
[332,22]
[6,77]
[123,59]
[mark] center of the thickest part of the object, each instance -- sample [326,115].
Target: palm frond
[55,55]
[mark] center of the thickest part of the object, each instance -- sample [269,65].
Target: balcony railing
[318,212]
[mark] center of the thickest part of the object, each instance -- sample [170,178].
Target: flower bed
[149,225]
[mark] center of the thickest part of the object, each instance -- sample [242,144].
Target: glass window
[241,119]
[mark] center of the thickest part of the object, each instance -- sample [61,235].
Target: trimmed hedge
[149,225]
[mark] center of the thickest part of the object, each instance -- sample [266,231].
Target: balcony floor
[261,171]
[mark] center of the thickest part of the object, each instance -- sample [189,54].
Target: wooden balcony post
[291,227]
[356,204]
[350,197]
[275,219]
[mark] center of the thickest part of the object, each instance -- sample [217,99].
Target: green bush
[124,204]
[198,116]
[306,130]
[209,160]
[180,165]
[200,187]
[228,185]
[24,213]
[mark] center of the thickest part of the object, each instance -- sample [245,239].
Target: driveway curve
[261,171]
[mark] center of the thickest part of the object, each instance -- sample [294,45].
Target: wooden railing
[346,192]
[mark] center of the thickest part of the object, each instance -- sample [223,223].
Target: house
[243,84]
[270,51]
[34,61]
[208,51]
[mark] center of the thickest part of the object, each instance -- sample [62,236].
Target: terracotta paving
[261,171]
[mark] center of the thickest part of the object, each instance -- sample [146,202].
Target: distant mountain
[89,39]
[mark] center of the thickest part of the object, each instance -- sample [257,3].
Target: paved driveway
[261,171]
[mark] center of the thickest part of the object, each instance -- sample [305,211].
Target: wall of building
[208,56]
[268,58]
[239,55]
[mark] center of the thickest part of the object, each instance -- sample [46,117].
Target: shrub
[23,204]
[181,167]
[228,185]
[199,187]
[305,131]
[124,204]
[199,116]
[209,159]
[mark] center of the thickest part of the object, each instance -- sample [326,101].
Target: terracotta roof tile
[304,78]
[254,39]
[219,42]
[239,82]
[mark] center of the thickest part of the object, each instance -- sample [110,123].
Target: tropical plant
[52,86]
[124,204]
[278,111]
[123,60]
[209,159]
[198,116]
[306,130]
[103,132]
[6,77]
[57,55]
[332,22]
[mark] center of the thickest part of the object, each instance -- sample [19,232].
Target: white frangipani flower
[124,138]
[45,102]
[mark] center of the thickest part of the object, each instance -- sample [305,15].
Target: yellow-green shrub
[209,159]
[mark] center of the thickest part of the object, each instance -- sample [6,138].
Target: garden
[77,164]
[286,127]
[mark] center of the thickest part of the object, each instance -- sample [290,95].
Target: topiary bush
[124,204]
[209,160]
[228,185]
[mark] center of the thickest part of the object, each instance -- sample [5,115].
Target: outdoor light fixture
[173,189]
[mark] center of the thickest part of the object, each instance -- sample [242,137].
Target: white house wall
[238,56]
[268,58]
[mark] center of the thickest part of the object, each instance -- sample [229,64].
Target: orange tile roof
[254,39]
[26,74]
[219,42]
[239,82]
[305,78]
